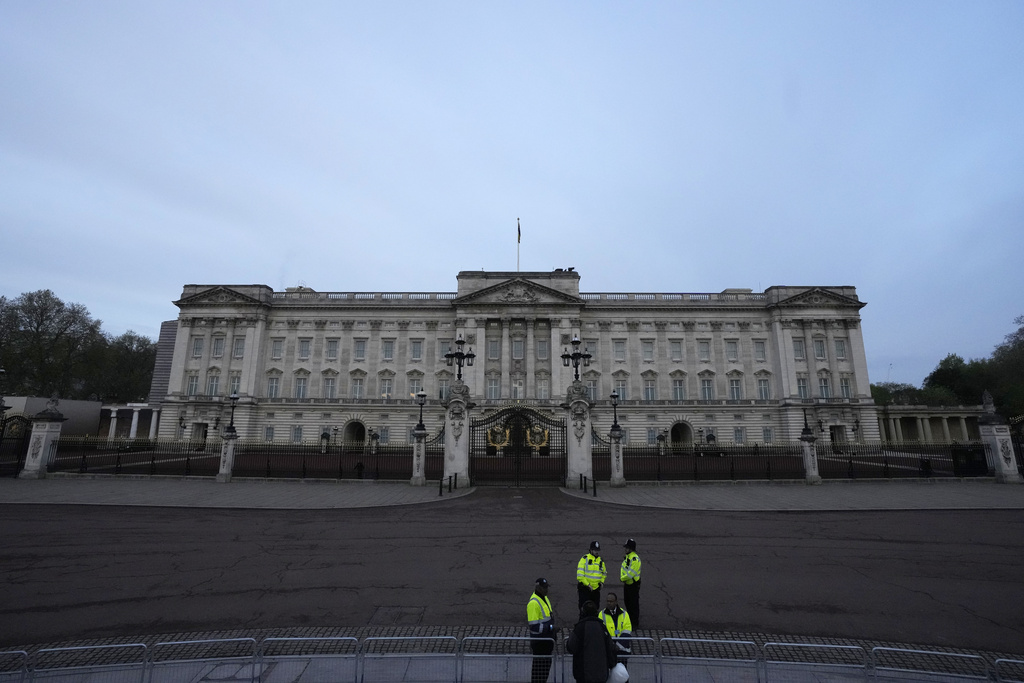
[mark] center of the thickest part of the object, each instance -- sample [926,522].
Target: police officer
[590,574]
[616,621]
[541,623]
[630,576]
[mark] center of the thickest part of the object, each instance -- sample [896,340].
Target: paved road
[933,577]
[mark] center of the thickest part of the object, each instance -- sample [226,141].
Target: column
[557,384]
[945,430]
[618,479]
[807,440]
[580,443]
[927,422]
[506,359]
[43,442]
[881,429]
[419,456]
[963,429]
[920,429]
[227,457]
[112,430]
[456,433]
[154,419]
[135,424]
[530,356]
[899,429]
[995,434]
[479,335]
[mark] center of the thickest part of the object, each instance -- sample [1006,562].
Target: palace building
[738,365]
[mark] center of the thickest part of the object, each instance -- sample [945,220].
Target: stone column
[134,429]
[112,429]
[456,433]
[807,440]
[506,359]
[945,430]
[580,445]
[617,480]
[995,434]
[227,455]
[43,442]
[154,419]
[419,456]
[963,429]
[529,355]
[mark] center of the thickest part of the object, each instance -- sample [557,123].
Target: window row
[803,389]
[820,348]
[296,433]
[217,346]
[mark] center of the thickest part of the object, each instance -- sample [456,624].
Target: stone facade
[737,364]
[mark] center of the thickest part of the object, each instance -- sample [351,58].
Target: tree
[895,393]
[128,368]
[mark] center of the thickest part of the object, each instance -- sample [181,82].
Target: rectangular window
[358,387]
[543,389]
[760,350]
[737,435]
[305,347]
[443,389]
[647,348]
[277,349]
[239,347]
[416,349]
[517,387]
[415,385]
[678,390]
[332,349]
[620,389]
[268,433]
[385,387]
[235,382]
[704,350]
[764,391]
[494,349]
[592,389]
[330,387]
[218,347]
[619,349]
[590,346]
[841,349]
[273,387]
[359,349]
[300,386]
[819,349]
[707,390]
[517,349]
[493,388]
[387,349]
[542,349]
[197,347]
[845,390]
[801,387]
[766,434]
[193,385]
[676,350]
[385,434]
[297,434]
[824,388]
[443,347]
[732,350]
[798,349]
[652,436]
[212,385]
[735,389]
[650,390]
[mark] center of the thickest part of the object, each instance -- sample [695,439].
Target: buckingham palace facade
[742,366]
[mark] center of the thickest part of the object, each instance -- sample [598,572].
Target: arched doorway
[354,435]
[681,436]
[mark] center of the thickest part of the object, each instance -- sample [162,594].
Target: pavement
[957,494]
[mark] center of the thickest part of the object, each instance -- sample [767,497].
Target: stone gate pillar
[419,456]
[807,440]
[456,432]
[580,444]
[615,436]
[43,442]
[227,455]
[995,433]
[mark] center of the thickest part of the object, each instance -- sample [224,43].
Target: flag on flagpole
[519,233]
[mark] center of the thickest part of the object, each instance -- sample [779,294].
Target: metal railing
[96,455]
[493,659]
[892,460]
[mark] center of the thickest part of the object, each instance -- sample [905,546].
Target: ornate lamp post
[3,408]
[459,358]
[231,425]
[576,358]
[615,410]
[421,399]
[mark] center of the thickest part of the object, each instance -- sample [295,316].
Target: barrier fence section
[439,659]
[883,460]
[94,455]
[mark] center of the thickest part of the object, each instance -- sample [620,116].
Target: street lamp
[335,430]
[615,412]
[3,408]
[231,426]
[576,357]
[459,358]
[421,398]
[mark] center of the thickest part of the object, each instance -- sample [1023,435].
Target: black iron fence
[96,455]
[15,432]
[885,460]
[706,462]
[326,461]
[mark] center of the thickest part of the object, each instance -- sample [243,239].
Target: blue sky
[655,147]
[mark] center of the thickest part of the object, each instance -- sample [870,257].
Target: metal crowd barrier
[444,659]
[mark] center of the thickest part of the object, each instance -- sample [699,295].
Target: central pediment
[518,292]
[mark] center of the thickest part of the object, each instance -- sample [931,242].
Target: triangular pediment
[217,296]
[821,298]
[518,292]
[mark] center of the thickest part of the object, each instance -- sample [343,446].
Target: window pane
[704,350]
[732,350]
[801,387]
[517,349]
[416,349]
[213,385]
[841,349]
[357,387]
[277,349]
[542,388]
[798,349]
[329,387]
[735,389]
[648,350]
[359,349]
[385,387]
[707,390]
[268,433]
[218,347]
[678,390]
[542,349]
[763,389]
[239,349]
[443,387]
[759,350]
[819,349]
[273,386]
[494,348]
[236,383]
[332,349]
[300,387]
[676,349]
[197,347]
[388,349]
[619,349]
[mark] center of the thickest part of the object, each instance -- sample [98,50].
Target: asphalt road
[932,578]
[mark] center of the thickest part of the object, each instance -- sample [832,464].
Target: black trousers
[541,665]
[631,596]
[585,593]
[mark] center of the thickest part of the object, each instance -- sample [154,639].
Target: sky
[653,146]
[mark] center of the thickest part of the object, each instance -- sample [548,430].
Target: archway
[354,435]
[681,436]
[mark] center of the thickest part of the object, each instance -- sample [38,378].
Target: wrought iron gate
[517,446]
[15,432]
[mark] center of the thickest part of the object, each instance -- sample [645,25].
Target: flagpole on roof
[519,239]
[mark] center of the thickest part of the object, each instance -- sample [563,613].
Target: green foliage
[50,347]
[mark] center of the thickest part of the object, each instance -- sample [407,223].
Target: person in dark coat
[593,653]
